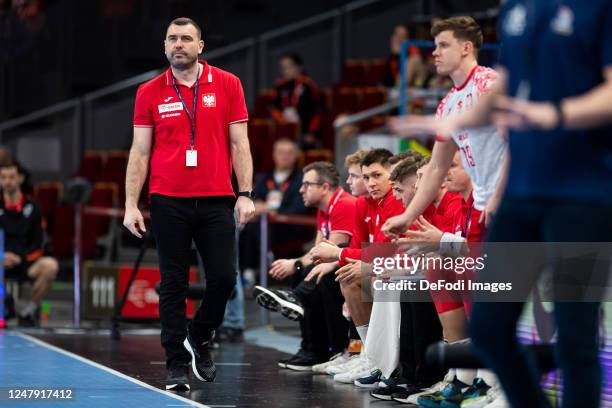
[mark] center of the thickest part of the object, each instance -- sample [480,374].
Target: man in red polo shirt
[308,302]
[190,127]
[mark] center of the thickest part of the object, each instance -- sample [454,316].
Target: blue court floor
[27,363]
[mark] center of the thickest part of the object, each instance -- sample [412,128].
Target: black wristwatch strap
[249,194]
[299,266]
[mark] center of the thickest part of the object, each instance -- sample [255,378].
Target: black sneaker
[229,335]
[9,307]
[178,378]
[283,362]
[30,319]
[282,301]
[202,363]
[306,361]
[385,393]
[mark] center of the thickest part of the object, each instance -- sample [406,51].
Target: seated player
[21,221]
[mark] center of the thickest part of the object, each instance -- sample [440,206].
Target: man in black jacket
[278,191]
[21,220]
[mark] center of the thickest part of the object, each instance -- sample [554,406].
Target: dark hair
[181,21]
[326,172]
[10,164]
[425,161]
[406,168]
[463,27]
[381,156]
[295,58]
[404,155]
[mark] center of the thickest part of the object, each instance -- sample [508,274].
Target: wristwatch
[299,266]
[248,194]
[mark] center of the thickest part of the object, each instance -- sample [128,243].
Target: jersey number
[467,153]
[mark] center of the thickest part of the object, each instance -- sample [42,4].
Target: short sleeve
[606,35]
[143,114]
[238,109]
[342,218]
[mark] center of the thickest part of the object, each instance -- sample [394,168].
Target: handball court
[130,372]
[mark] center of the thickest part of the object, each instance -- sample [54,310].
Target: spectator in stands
[21,221]
[415,67]
[278,191]
[297,100]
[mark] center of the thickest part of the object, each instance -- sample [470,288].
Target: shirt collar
[333,200]
[205,78]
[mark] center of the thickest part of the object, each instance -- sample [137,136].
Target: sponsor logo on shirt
[170,107]
[168,99]
[515,21]
[209,100]
[563,23]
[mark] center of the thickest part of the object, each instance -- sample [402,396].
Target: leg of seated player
[43,271]
[359,309]
[454,324]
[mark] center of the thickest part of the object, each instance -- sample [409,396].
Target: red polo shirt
[339,215]
[220,102]
[444,216]
[371,216]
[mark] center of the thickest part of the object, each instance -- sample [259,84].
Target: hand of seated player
[326,251]
[281,268]
[320,271]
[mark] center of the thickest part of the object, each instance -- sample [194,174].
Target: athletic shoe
[202,363]
[413,398]
[362,369]
[343,367]
[369,381]
[451,392]
[474,397]
[336,359]
[497,398]
[283,362]
[306,361]
[278,300]
[178,378]
[403,395]
[229,335]
[386,393]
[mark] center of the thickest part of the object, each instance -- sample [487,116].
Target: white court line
[217,364]
[109,370]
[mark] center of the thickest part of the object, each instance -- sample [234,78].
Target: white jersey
[482,149]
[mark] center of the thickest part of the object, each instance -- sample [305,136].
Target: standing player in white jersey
[483,152]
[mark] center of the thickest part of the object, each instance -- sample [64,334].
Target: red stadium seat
[318,155]
[346,100]
[264,100]
[92,164]
[114,172]
[286,130]
[372,97]
[260,138]
[376,72]
[354,73]
[47,195]
[103,194]
[62,239]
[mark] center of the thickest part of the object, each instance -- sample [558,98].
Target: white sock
[487,376]
[29,308]
[466,376]
[363,331]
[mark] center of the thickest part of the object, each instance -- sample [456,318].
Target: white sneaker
[364,368]
[439,386]
[344,367]
[336,359]
[497,398]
